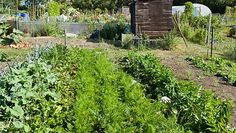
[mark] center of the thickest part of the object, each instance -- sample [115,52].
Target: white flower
[165,99]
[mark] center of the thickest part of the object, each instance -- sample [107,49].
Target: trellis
[36,11]
[9,5]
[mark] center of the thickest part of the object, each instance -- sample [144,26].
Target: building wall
[153,17]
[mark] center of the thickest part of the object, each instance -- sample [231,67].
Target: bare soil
[70,42]
[184,70]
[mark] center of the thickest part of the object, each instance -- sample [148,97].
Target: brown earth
[70,42]
[184,70]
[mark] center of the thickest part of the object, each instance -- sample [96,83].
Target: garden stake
[208,32]
[65,37]
[176,23]
[212,41]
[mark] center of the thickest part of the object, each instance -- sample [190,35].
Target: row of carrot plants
[196,109]
[217,66]
[59,89]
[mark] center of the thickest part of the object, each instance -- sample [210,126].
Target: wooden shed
[151,17]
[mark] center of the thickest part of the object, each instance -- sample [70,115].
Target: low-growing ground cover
[217,66]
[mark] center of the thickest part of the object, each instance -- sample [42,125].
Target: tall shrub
[189,8]
[113,30]
[188,12]
[234,11]
[54,8]
[228,11]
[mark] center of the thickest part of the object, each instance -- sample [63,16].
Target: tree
[102,4]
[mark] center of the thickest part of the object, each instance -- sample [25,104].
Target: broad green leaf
[26,128]
[3,125]
[17,111]
[18,124]
[52,94]
[30,94]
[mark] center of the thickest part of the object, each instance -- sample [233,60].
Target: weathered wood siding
[153,17]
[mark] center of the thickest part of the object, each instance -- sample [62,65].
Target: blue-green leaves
[18,124]
[29,97]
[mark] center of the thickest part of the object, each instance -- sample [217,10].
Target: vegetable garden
[104,79]
[60,89]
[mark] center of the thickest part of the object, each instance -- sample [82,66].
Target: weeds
[217,66]
[3,57]
[168,41]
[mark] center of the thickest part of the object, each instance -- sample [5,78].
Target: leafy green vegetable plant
[217,66]
[196,109]
[31,99]
[7,36]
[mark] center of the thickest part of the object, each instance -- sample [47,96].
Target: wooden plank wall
[153,17]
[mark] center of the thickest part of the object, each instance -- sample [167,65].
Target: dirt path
[184,70]
[70,42]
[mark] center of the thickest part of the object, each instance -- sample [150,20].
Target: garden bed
[59,89]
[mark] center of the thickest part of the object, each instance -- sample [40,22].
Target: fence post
[208,32]
[65,37]
[209,29]
[212,41]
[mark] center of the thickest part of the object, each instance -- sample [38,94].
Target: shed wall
[153,17]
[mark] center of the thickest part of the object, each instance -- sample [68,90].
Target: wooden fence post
[65,37]
[212,41]
[208,32]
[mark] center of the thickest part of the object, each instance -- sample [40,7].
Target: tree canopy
[102,4]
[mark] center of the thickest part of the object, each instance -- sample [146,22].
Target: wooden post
[17,17]
[212,41]
[208,32]
[178,17]
[176,23]
[209,29]
[65,37]
[33,9]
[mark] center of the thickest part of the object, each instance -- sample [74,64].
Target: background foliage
[102,4]
[54,8]
[217,6]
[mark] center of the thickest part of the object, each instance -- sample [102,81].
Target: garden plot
[59,89]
